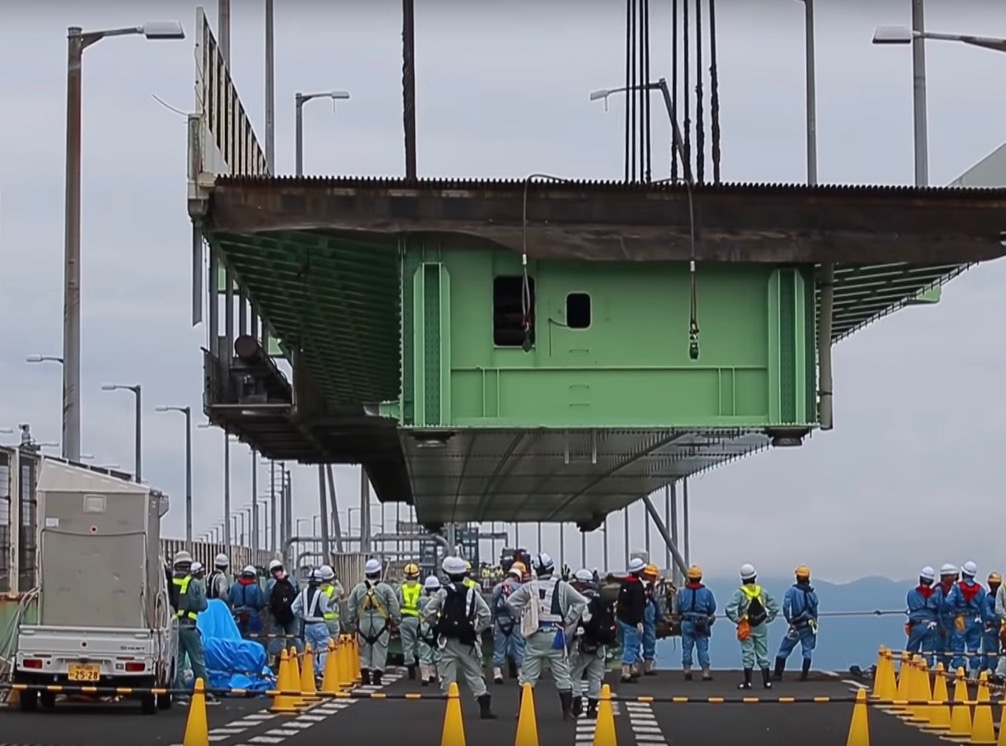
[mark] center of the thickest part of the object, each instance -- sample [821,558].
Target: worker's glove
[930,626]
[812,623]
[639,629]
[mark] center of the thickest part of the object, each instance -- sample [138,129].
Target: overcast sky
[910,476]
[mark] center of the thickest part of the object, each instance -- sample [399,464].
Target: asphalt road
[419,722]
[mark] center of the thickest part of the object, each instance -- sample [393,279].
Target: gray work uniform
[189,596]
[218,586]
[373,608]
[587,660]
[454,655]
[559,607]
[409,594]
[754,650]
[427,645]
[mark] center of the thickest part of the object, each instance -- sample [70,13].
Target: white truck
[104,619]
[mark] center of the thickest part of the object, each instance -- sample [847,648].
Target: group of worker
[956,621]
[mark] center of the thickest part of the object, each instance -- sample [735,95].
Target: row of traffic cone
[931,708]
[527,723]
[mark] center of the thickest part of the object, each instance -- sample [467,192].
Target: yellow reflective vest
[410,598]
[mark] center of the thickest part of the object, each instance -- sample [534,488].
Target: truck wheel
[149,704]
[47,700]
[28,701]
[163,701]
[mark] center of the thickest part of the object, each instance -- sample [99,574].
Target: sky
[910,474]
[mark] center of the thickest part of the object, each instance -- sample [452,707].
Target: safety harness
[371,601]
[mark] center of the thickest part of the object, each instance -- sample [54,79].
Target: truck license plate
[80,672]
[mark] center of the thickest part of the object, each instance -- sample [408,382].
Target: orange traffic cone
[282,703]
[960,714]
[859,727]
[983,730]
[330,681]
[197,729]
[307,683]
[454,725]
[939,713]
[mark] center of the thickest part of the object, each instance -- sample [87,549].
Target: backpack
[756,611]
[457,615]
[601,628]
[281,601]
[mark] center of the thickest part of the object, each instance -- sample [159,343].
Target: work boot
[365,676]
[766,678]
[497,675]
[591,709]
[707,675]
[566,698]
[376,676]
[687,670]
[412,673]
[780,666]
[485,711]
[746,684]
[805,671]
[577,706]
[512,669]
[627,677]
[649,668]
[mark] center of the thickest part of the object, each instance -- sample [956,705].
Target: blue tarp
[230,660]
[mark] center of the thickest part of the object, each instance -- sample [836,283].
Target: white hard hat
[327,573]
[453,566]
[970,568]
[584,576]
[221,561]
[927,573]
[543,564]
[748,571]
[182,558]
[372,567]
[636,564]
[249,570]
[431,583]
[948,569]
[197,566]
[275,565]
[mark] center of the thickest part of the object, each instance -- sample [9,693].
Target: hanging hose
[714,82]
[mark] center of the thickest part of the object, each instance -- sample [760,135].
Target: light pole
[36,359]
[811,95]
[77,41]
[299,100]
[138,436]
[187,411]
[227,483]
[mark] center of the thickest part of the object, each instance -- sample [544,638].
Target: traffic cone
[354,647]
[960,715]
[878,672]
[345,662]
[454,724]
[859,727]
[282,703]
[308,688]
[527,723]
[197,729]
[885,685]
[939,714]
[904,677]
[922,693]
[295,679]
[604,731]
[330,681]
[983,731]
[906,688]
[1002,727]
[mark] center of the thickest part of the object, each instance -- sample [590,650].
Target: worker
[595,630]
[409,594]
[948,576]
[923,627]
[280,593]
[428,652]
[990,634]
[247,602]
[470,582]
[187,596]
[965,603]
[1000,607]
[310,608]
[653,612]
[373,609]
[218,584]
[508,645]
[697,607]
[752,609]
[553,606]
[461,616]
[630,611]
[334,592]
[800,609]
[199,572]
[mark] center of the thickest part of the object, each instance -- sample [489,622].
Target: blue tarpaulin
[230,660]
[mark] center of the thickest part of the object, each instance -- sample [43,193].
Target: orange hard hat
[652,570]
[694,572]
[519,567]
[802,571]
[995,577]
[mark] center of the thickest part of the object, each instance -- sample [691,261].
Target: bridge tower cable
[700,130]
[714,101]
[674,80]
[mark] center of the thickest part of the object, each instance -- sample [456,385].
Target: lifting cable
[700,130]
[714,82]
[645,93]
[686,82]
[674,81]
[628,103]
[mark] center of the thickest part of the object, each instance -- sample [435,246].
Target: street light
[300,99]
[187,411]
[227,482]
[77,41]
[138,436]
[905,35]
[44,359]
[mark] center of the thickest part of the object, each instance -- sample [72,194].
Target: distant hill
[842,640]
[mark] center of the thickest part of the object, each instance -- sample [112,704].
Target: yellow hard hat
[468,565]
[652,570]
[694,572]
[995,577]
[412,570]
[519,567]
[802,571]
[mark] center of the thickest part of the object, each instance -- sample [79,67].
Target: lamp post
[187,411]
[299,100]
[227,483]
[811,95]
[77,41]
[138,436]
[37,359]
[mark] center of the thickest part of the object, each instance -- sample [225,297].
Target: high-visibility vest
[471,583]
[410,599]
[182,611]
[333,606]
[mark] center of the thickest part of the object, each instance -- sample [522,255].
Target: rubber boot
[746,684]
[424,675]
[805,671]
[627,677]
[376,676]
[687,670]
[707,675]
[485,711]
[649,668]
[412,673]
[497,675]
[365,676]
[766,678]
[591,709]
[566,698]
[577,706]
[780,666]
[512,668]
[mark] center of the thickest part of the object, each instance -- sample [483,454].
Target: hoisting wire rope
[647,152]
[714,82]
[674,80]
[628,103]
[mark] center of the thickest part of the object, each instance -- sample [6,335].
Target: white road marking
[645,729]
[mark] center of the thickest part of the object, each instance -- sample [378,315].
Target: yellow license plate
[77,672]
